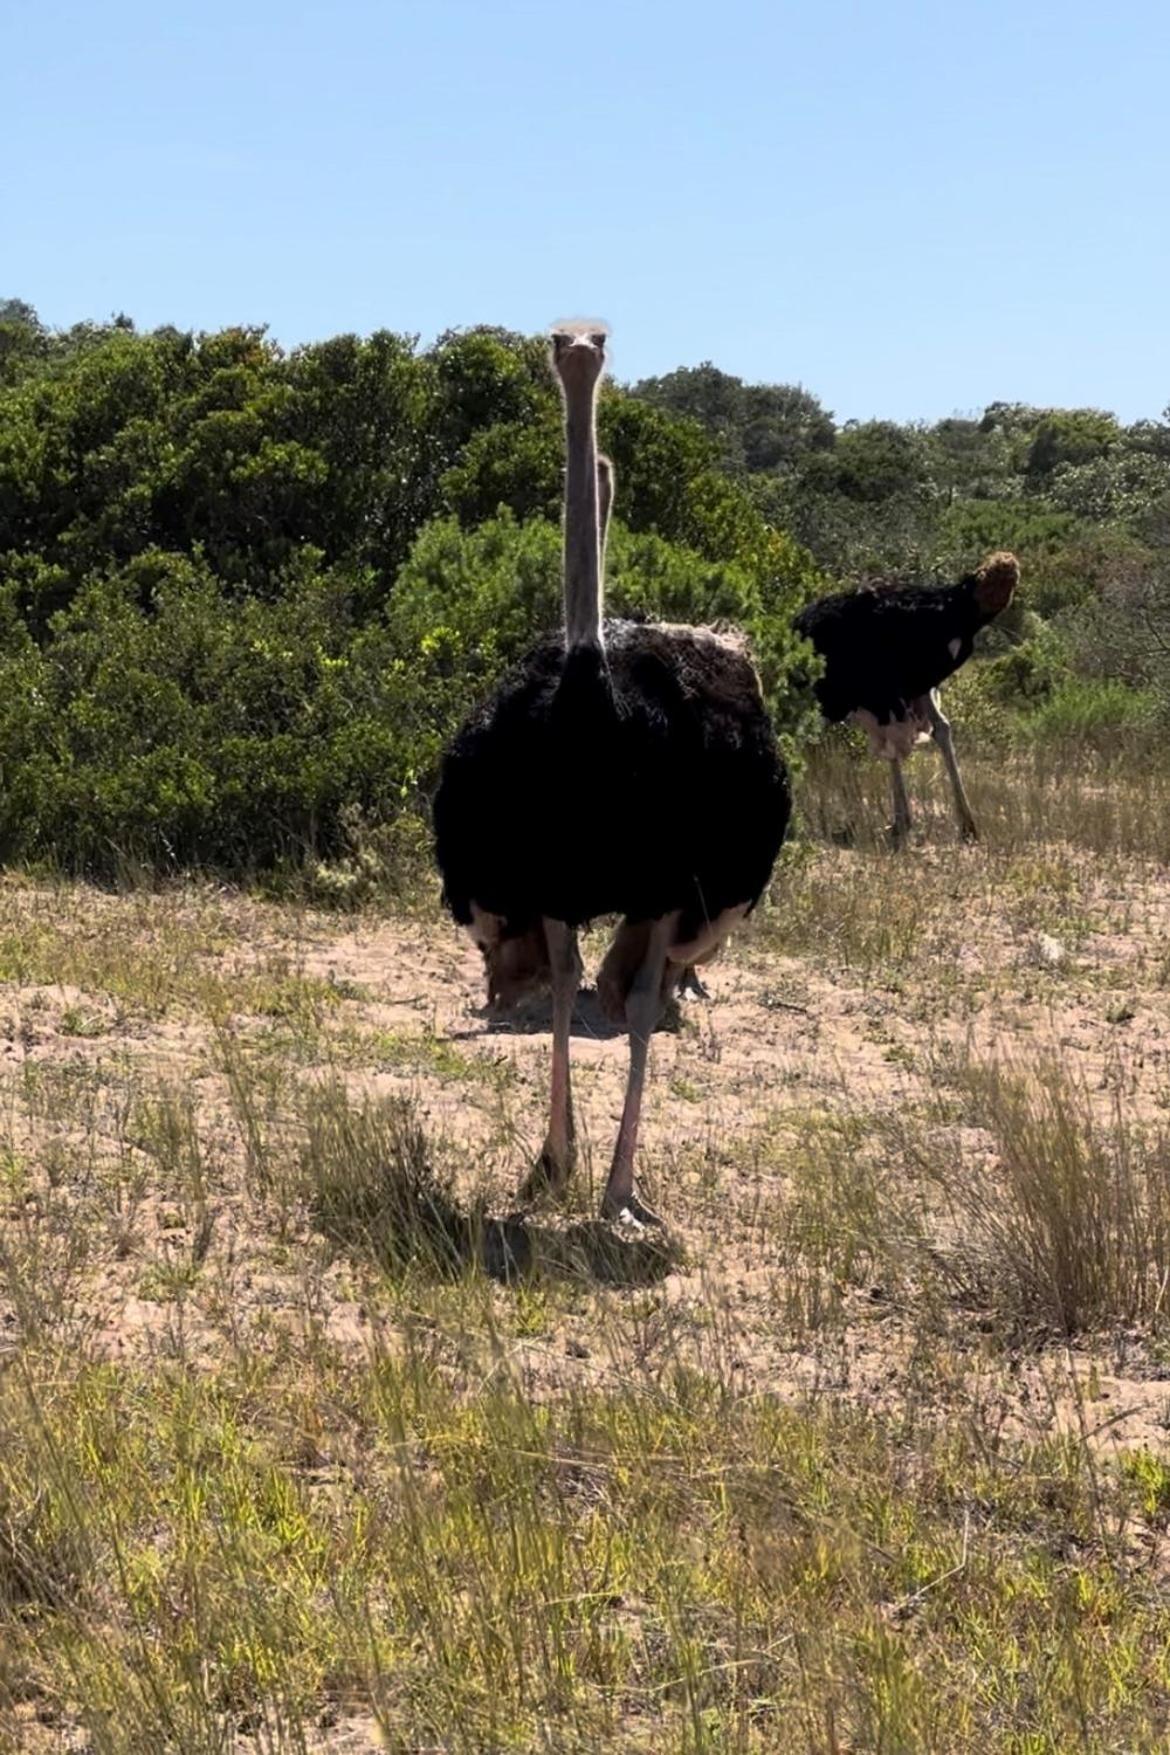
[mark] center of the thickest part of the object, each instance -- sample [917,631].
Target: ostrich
[885,653]
[622,768]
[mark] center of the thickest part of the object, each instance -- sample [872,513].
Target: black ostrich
[623,768]
[885,652]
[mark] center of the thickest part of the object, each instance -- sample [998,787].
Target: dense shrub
[246,597]
[166,721]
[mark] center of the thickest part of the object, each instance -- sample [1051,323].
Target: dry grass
[1007,1191]
[240,1559]
[1114,803]
[371,1184]
[308,1442]
[1062,1216]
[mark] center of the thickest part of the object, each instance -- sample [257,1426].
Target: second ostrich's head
[578,360]
[994,584]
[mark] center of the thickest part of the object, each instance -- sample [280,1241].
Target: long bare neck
[604,508]
[582,523]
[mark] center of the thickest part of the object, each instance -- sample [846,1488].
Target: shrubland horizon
[248,593]
[730,361]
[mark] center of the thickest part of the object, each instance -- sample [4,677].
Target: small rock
[1048,951]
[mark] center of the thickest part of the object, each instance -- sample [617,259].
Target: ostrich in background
[885,652]
[623,768]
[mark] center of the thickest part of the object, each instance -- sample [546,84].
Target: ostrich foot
[627,1209]
[693,985]
[549,1176]
[898,834]
[968,831]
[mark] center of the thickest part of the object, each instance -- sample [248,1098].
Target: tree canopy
[247,593]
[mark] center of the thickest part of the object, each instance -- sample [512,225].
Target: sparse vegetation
[681,1570]
[310,1442]
[1077,1234]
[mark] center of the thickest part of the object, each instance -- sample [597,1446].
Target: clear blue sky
[909,207]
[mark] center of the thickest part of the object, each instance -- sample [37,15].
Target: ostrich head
[578,355]
[995,583]
[579,343]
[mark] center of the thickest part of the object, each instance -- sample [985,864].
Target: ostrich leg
[643,1006]
[900,827]
[555,1163]
[940,730]
[692,982]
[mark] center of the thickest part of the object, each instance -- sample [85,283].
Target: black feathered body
[637,782]
[884,650]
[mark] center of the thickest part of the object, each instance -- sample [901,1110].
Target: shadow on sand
[533,1017]
[581,1249]
[444,1241]
[391,1207]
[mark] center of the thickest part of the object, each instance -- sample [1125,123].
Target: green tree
[757,426]
[1070,436]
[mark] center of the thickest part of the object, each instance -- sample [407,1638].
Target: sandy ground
[786,1044]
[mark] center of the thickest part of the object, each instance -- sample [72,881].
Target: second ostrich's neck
[582,527]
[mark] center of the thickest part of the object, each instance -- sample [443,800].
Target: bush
[164,721]
[1092,713]
[245,598]
[469,603]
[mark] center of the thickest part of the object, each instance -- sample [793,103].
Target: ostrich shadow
[404,1217]
[445,1242]
[532,1016]
[524,1245]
